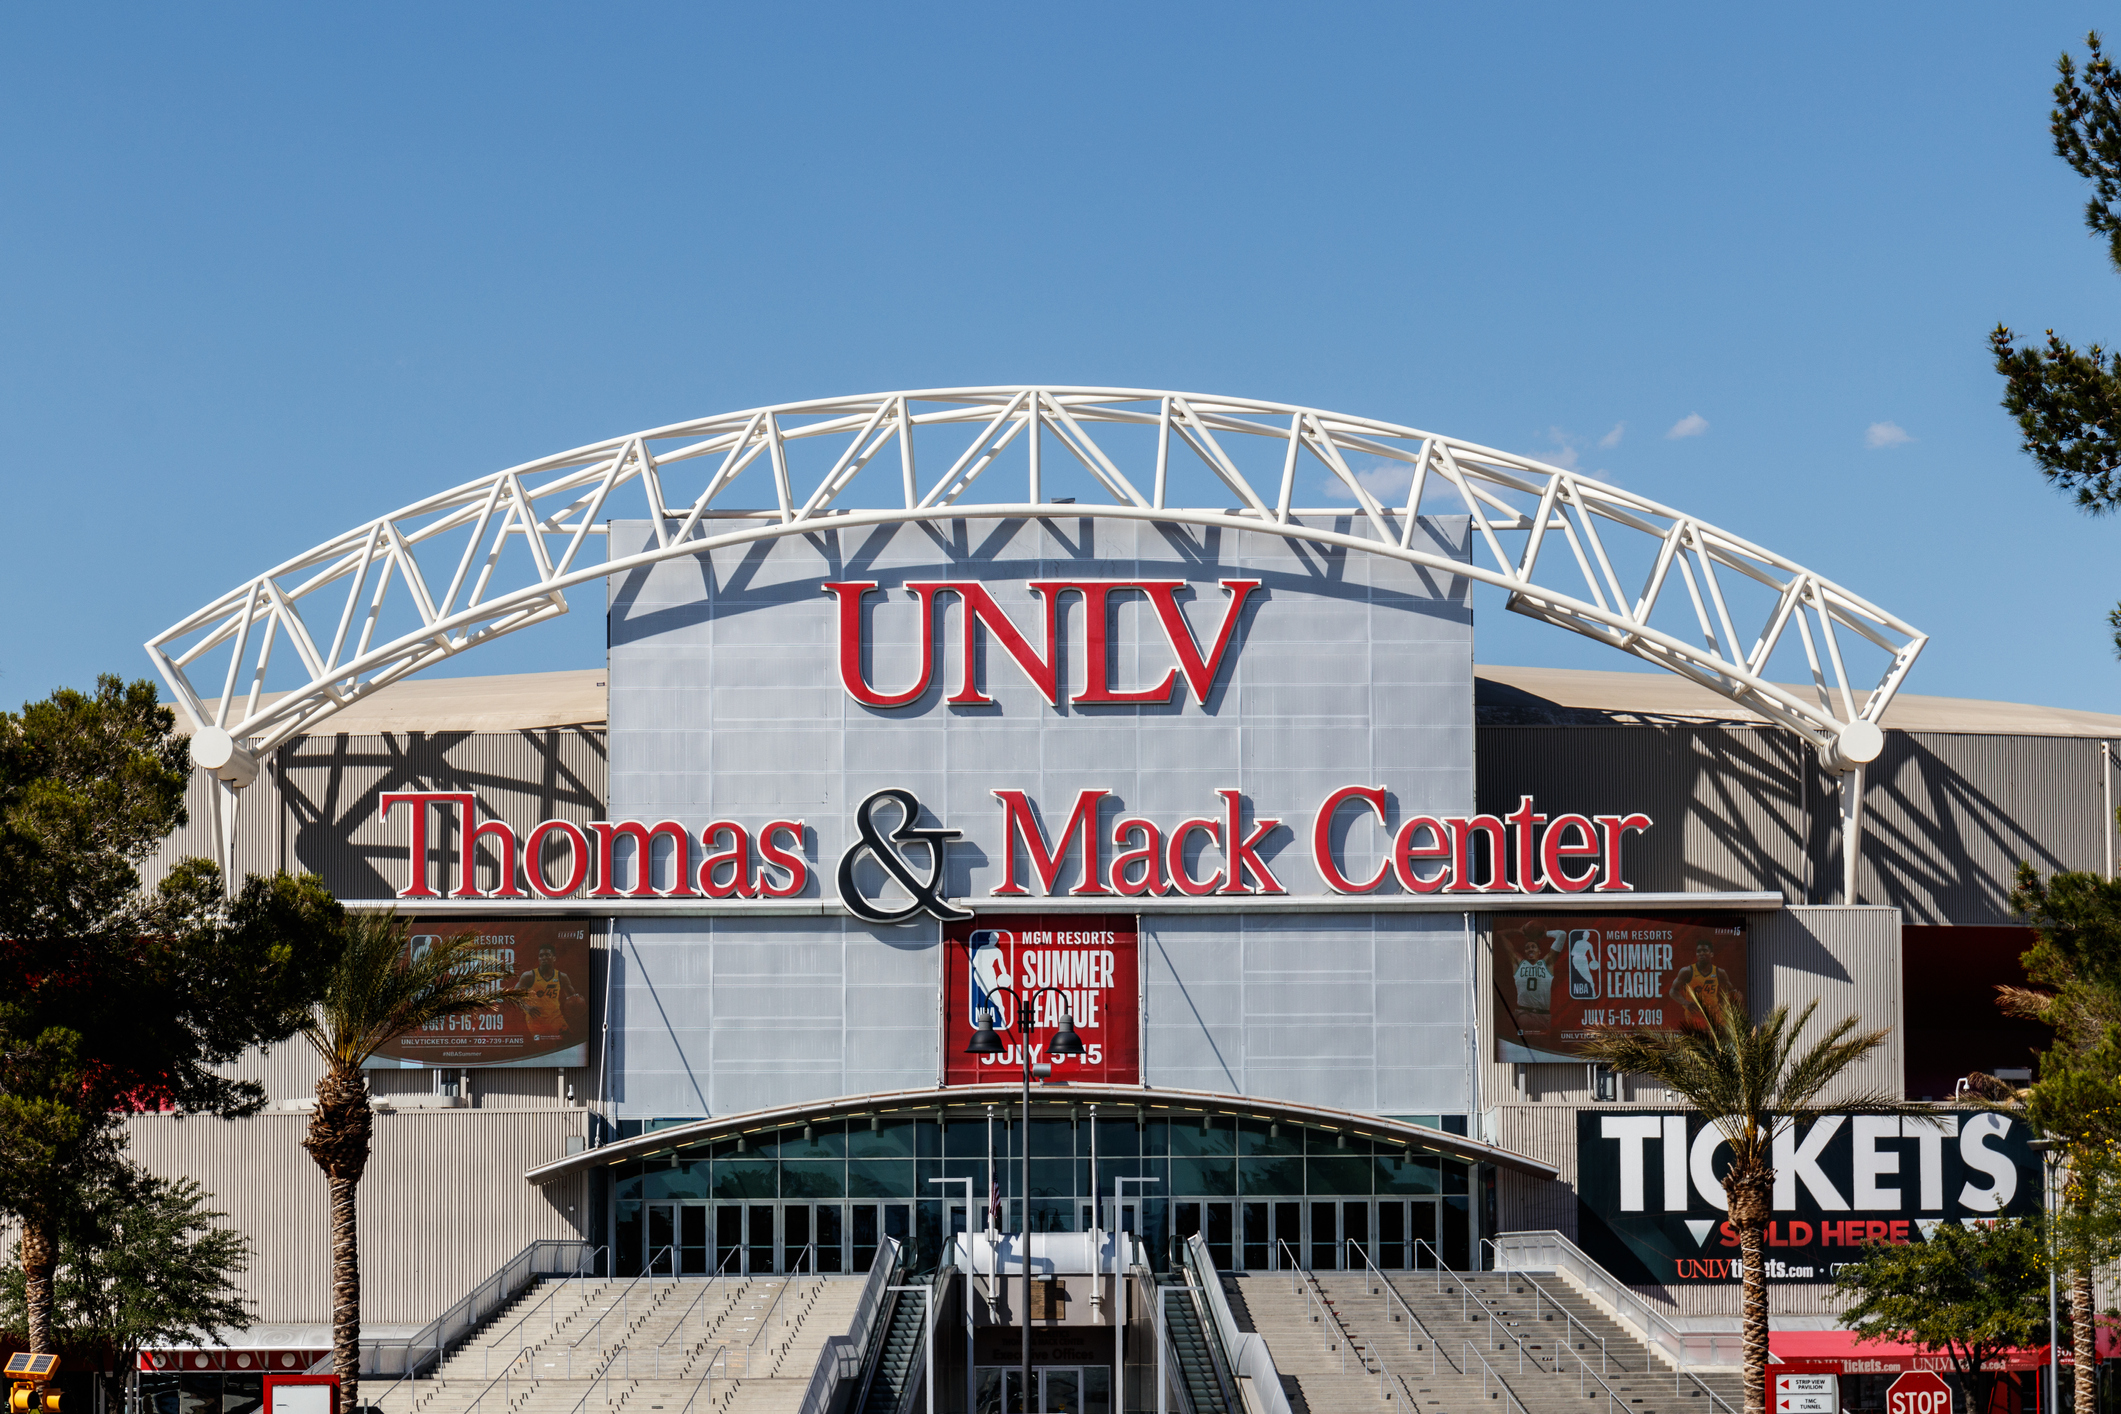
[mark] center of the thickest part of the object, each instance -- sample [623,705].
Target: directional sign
[1807,1394]
[1919,1392]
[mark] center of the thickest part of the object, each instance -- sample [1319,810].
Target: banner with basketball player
[1559,978]
[540,1014]
[1089,964]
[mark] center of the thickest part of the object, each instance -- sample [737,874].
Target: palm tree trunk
[345,1293]
[2084,1339]
[1753,1250]
[38,1260]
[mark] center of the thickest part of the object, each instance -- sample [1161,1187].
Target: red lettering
[850,596]
[1774,1241]
[1613,827]
[1874,1231]
[1243,852]
[980,608]
[1730,1234]
[1150,856]
[1322,839]
[1462,832]
[1097,655]
[789,861]
[534,857]
[1896,1232]
[419,800]
[1521,821]
[737,857]
[1200,672]
[1175,858]
[1554,848]
[1021,821]
[1406,854]
[643,837]
[1800,1234]
[504,860]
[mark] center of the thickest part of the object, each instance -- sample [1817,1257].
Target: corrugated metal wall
[444,1202]
[1948,817]
[314,806]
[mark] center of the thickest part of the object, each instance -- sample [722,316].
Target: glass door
[1325,1237]
[1391,1251]
[1060,1391]
[1258,1241]
[797,1254]
[828,1227]
[692,1240]
[1217,1228]
[1288,1234]
[758,1251]
[1355,1229]
[661,1236]
[1422,1234]
[728,1238]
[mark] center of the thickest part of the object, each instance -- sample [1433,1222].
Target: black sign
[1650,1204]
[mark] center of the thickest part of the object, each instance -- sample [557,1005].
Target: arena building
[1329,902]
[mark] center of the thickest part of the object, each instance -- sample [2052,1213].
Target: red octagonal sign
[1919,1392]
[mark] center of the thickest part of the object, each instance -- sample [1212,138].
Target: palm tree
[375,994]
[1746,1079]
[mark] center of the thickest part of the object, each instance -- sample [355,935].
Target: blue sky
[276,270]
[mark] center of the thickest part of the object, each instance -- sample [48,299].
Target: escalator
[1201,1367]
[892,1373]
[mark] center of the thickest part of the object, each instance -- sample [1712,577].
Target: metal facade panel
[314,807]
[726,702]
[1950,816]
[1728,803]
[443,1204]
[1361,1012]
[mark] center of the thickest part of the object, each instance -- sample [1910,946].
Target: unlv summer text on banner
[1560,980]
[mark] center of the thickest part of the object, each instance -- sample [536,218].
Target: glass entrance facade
[818,1197]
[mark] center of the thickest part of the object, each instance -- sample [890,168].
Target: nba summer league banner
[1089,964]
[1558,979]
[543,1019]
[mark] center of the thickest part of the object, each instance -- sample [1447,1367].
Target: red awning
[1844,1353]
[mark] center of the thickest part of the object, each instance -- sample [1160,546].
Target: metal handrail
[1628,1307]
[486,1362]
[623,1304]
[1466,1294]
[1314,1293]
[720,1274]
[941,1284]
[465,1312]
[1414,1322]
[1542,1294]
[766,1316]
[1171,1376]
[880,1304]
[832,1358]
[706,1380]
[1487,1370]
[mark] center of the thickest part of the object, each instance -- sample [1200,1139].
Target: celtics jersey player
[1535,972]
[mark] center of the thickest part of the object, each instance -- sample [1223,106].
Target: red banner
[546,1022]
[1091,960]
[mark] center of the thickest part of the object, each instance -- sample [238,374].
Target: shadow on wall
[330,785]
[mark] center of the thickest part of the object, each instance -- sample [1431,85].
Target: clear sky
[275,270]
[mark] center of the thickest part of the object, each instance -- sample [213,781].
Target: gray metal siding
[1947,816]
[443,1204]
[314,807]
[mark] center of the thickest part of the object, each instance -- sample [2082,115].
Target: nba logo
[988,972]
[423,943]
[1583,964]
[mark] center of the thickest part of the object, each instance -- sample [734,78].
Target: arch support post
[1851,831]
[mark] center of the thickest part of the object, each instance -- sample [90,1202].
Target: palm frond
[377,993]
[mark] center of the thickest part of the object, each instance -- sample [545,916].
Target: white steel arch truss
[500,552]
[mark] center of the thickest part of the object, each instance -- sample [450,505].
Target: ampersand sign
[927,894]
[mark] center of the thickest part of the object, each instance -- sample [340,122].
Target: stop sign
[1919,1392]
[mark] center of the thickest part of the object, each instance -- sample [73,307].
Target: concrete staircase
[1350,1345]
[732,1346]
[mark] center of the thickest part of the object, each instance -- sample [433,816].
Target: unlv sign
[1041,664]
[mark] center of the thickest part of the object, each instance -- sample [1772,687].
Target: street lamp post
[2046,1149]
[1065,1043]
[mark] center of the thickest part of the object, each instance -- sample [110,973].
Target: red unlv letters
[1043,669]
